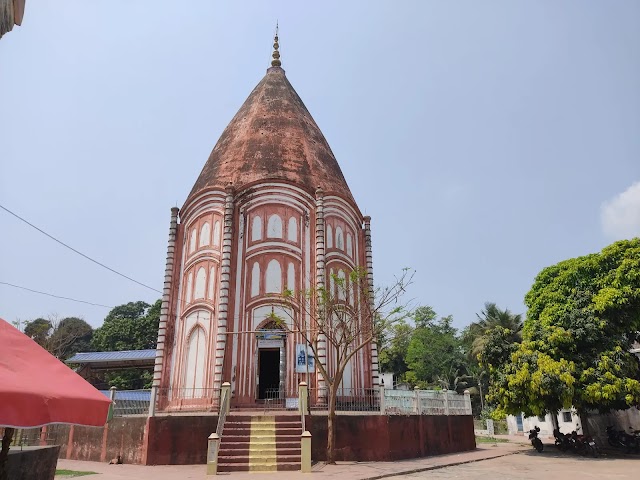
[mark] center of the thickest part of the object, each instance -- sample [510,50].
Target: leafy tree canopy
[583,317]
[489,319]
[62,338]
[39,330]
[393,352]
[71,335]
[133,326]
[434,356]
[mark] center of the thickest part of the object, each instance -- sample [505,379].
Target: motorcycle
[562,441]
[535,441]
[613,437]
[584,444]
[620,439]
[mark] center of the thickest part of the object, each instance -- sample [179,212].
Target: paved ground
[498,462]
[530,465]
[350,470]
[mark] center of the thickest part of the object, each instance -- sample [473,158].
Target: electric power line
[55,296]
[76,251]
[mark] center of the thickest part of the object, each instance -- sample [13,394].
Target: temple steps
[260,443]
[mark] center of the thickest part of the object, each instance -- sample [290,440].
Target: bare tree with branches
[339,320]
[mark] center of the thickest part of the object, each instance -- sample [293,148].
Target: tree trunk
[584,422]
[4,453]
[481,395]
[554,421]
[330,427]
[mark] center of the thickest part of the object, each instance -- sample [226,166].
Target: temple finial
[276,54]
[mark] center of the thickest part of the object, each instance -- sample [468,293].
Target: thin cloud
[620,216]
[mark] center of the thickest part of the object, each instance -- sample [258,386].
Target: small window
[541,418]
[566,417]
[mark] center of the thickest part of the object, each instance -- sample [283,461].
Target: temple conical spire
[276,54]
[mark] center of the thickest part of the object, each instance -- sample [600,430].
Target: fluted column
[320,283]
[225,277]
[368,255]
[164,309]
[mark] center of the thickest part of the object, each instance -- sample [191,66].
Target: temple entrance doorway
[269,373]
[270,361]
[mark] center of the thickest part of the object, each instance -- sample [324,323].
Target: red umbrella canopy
[36,388]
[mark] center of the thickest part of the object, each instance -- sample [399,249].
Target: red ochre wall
[182,439]
[395,437]
[121,436]
[179,440]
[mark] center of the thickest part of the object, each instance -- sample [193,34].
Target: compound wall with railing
[372,400]
[424,402]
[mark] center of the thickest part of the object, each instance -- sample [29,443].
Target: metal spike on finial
[276,54]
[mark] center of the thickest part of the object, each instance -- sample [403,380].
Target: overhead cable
[52,295]
[76,251]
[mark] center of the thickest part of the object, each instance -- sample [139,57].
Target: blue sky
[487,140]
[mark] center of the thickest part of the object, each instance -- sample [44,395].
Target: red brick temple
[270,211]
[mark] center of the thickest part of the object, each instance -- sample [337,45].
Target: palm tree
[488,319]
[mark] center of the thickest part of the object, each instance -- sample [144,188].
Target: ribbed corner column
[320,282]
[164,309]
[225,278]
[368,254]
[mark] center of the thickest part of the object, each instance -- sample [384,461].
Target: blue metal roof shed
[118,359]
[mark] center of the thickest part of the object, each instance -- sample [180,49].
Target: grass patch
[74,473]
[480,439]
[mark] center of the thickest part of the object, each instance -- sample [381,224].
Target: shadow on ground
[607,454]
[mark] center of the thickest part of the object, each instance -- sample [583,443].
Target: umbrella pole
[4,453]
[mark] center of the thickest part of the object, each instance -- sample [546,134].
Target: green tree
[434,355]
[62,338]
[393,350]
[39,330]
[583,317]
[490,318]
[132,326]
[71,335]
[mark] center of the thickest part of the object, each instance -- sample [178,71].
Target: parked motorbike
[535,441]
[621,439]
[562,441]
[613,436]
[584,444]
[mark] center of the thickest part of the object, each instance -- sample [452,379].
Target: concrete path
[350,470]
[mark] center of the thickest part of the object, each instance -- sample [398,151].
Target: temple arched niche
[292,230]
[205,234]
[216,233]
[201,282]
[274,226]
[192,241]
[194,364]
[273,277]
[256,228]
